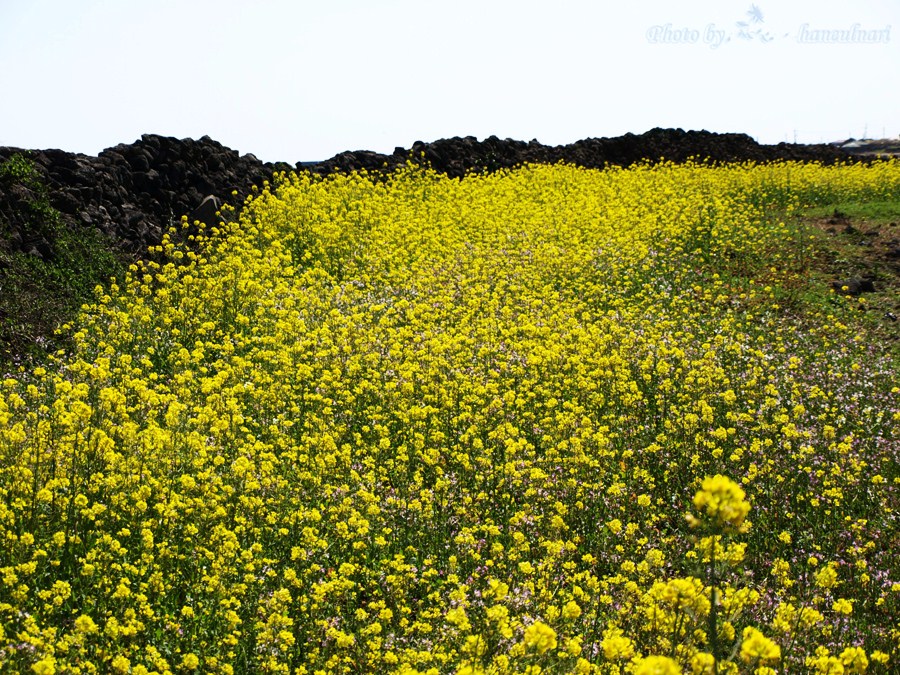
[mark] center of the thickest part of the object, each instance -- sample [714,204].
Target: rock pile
[133,192]
[456,156]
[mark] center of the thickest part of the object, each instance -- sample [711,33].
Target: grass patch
[48,268]
[882,212]
[852,244]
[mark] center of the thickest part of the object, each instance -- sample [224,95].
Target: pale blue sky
[298,80]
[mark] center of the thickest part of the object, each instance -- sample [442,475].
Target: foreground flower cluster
[545,420]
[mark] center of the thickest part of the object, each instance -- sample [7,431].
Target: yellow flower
[190,662]
[756,647]
[723,502]
[120,664]
[824,664]
[474,645]
[880,657]
[540,637]
[854,659]
[616,646]
[703,663]
[46,666]
[470,669]
[85,624]
[826,577]
[571,610]
[657,665]
[789,618]
[457,616]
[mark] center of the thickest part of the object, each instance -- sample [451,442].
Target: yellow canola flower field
[543,420]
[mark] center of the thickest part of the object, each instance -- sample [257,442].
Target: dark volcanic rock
[134,192]
[854,286]
[458,156]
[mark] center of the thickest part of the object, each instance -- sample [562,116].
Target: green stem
[713,612]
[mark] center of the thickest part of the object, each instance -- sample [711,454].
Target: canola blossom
[543,420]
